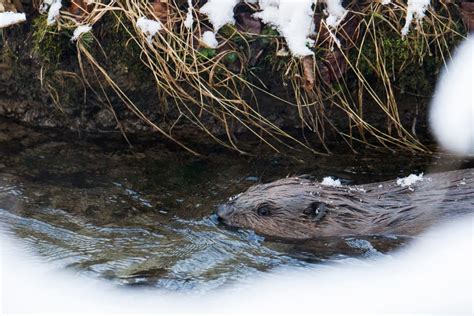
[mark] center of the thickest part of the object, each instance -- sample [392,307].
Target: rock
[105,119]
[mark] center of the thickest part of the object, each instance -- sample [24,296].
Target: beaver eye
[263,211]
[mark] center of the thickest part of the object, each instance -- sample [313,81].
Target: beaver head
[290,208]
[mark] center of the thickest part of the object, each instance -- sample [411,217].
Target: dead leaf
[161,10]
[247,23]
[308,73]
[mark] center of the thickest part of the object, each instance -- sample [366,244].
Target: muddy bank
[46,80]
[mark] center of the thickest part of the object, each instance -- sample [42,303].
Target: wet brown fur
[298,208]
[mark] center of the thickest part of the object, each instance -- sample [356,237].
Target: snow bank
[452,109]
[149,27]
[330,181]
[11,18]
[416,9]
[81,29]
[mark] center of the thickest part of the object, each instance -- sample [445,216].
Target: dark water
[143,217]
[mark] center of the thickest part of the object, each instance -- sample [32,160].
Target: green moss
[50,45]
[207,53]
[122,55]
[410,63]
[231,57]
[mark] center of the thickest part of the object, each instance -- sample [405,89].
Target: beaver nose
[223,211]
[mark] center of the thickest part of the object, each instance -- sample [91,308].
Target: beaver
[297,208]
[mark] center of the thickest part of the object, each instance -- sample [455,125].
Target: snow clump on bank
[149,27]
[54,11]
[416,9]
[11,18]
[81,29]
[209,39]
[294,18]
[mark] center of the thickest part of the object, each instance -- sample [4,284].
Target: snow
[209,39]
[451,114]
[53,12]
[149,27]
[11,18]
[45,4]
[410,180]
[188,23]
[81,29]
[336,12]
[431,275]
[294,21]
[219,12]
[330,181]
[416,9]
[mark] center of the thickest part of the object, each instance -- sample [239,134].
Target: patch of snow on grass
[294,21]
[53,12]
[188,23]
[219,12]
[336,12]
[209,39]
[149,27]
[81,29]
[416,9]
[11,18]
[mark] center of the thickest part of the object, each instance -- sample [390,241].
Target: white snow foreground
[431,276]
[11,18]
[452,108]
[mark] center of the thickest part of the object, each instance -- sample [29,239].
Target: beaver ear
[315,210]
